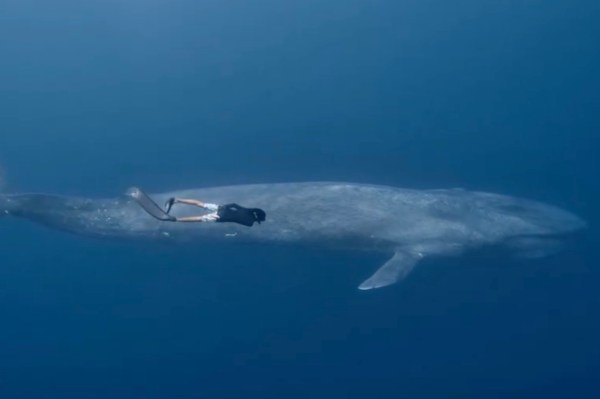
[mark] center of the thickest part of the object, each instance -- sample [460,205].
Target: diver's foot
[169,204]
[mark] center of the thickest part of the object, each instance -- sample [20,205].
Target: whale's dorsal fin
[392,271]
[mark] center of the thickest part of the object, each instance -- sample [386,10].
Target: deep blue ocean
[96,96]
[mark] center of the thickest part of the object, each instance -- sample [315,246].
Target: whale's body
[409,224]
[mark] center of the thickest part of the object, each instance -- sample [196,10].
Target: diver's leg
[189,202]
[198,203]
[210,217]
[194,202]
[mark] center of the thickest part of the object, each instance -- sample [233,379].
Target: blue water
[98,96]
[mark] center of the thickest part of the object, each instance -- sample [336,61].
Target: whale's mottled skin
[407,224]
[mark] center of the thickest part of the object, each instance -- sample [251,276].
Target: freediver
[219,213]
[233,213]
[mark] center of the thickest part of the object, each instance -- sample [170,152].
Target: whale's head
[7,205]
[539,218]
[528,228]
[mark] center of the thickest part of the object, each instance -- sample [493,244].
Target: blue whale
[407,224]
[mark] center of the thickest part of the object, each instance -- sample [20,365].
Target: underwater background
[97,96]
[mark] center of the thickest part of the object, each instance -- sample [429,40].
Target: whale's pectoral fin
[392,271]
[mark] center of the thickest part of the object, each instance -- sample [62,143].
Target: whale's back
[355,214]
[372,215]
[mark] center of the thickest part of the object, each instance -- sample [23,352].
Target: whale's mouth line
[549,236]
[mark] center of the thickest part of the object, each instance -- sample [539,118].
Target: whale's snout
[548,219]
[8,205]
[557,220]
[4,206]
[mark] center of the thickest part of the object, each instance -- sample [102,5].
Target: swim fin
[148,205]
